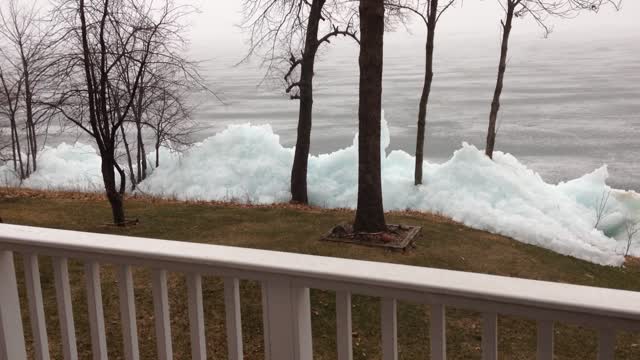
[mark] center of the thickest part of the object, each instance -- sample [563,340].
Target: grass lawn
[444,244]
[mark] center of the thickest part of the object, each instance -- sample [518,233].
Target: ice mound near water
[65,167]
[247,163]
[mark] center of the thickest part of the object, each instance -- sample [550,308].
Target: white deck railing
[286,279]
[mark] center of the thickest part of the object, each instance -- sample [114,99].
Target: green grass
[444,244]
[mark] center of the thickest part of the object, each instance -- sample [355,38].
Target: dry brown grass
[285,227]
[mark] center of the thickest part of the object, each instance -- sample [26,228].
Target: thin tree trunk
[13,146]
[303,140]
[31,129]
[28,167]
[129,160]
[426,90]
[15,136]
[142,155]
[138,153]
[370,213]
[18,150]
[495,104]
[157,152]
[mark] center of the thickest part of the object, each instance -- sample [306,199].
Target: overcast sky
[215,28]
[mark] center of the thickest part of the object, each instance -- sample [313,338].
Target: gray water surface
[567,107]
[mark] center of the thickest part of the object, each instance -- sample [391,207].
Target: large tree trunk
[370,213]
[303,140]
[495,104]
[113,195]
[426,90]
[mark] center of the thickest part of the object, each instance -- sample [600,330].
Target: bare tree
[106,36]
[631,228]
[287,34]
[29,43]
[169,117]
[168,74]
[429,11]
[539,11]
[602,208]
[370,212]
[11,91]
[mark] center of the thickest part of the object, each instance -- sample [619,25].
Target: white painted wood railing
[286,279]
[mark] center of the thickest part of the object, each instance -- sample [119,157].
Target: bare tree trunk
[13,146]
[123,178]
[370,213]
[31,129]
[113,195]
[18,149]
[12,102]
[98,116]
[157,152]
[303,140]
[495,104]
[132,175]
[28,164]
[142,155]
[426,90]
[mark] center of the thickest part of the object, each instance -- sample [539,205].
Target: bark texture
[495,104]
[370,213]
[303,140]
[426,90]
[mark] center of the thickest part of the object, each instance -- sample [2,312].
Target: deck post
[286,310]
[12,344]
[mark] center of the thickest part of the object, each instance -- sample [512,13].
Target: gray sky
[214,31]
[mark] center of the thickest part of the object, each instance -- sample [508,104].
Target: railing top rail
[547,295]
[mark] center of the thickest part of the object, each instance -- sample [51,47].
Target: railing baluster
[161,311]
[128,313]
[65,308]
[96,314]
[343,322]
[606,344]
[437,332]
[36,307]
[196,317]
[389,322]
[545,340]
[286,316]
[12,344]
[489,336]
[234,318]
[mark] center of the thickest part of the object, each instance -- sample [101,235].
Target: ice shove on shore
[247,163]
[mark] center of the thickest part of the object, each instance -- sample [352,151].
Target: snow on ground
[248,164]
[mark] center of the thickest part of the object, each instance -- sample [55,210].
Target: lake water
[567,107]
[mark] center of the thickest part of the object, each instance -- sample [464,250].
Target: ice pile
[64,167]
[248,164]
